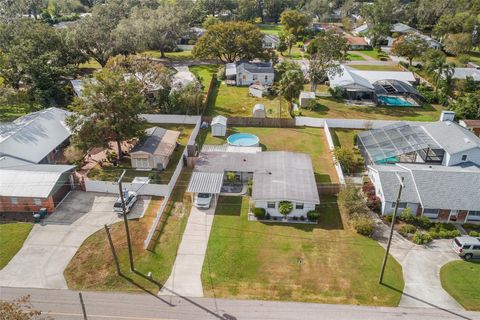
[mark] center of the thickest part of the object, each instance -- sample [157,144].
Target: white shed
[259,111]
[306,97]
[219,126]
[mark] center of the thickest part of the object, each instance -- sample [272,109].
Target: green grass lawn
[176,55]
[332,108]
[307,140]
[355,57]
[322,263]
[345,138]
[375,54]
[110,173]
[204,73]
[273,29]
[236,102]
[11,112]
[12,236]
[376,68]
[95,255]
[462,281]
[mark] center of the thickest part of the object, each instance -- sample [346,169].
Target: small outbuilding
[306,97]
[258,90]
[219,126]
[259,111]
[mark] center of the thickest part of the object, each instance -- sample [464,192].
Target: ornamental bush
[407,229]
[259,213]
[407,216]
[285,207]
[313,215]
[374,203]
[474,234]
[421,238]
[363,226]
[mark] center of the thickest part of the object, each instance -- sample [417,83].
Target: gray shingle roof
[159,141]
[452,137]
[277,175]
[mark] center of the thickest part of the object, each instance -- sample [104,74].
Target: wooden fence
[329,189]
[210,91]
[257,122]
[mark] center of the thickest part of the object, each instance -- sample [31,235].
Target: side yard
[460,279]
[325,263]
[95,254]
[12,236]
[307,140]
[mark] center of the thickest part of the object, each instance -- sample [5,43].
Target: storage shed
[306,97]
[259,111]
[219,126]
[258,90]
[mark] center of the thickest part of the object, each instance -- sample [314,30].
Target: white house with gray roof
[437,192]
[247,73]
[277,176]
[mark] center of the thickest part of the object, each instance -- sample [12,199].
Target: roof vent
[269,172]
[244,160]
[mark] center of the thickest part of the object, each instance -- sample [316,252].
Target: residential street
[64,304]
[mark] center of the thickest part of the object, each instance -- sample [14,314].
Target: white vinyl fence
[347,123]
[143,189]
[331,146]
[171,118]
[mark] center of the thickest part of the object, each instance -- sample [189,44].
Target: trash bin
[36,217]
[43,212]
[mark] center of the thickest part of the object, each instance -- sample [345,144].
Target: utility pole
[125,221]
[384,264]
[112,248]
[84,312]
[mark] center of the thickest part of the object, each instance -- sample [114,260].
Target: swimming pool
[243,140]
[394,101]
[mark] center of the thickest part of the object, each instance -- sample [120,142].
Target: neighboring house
[270,41]
[437,192]
[357,43]
[155,149]
[381,87]
[361,30]
[248,73]
[472,125]
[27,187]
[442,143]
[276,175]
[36,137]
[464,73]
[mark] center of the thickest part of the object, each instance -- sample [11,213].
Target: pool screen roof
[390,86]
[394,140]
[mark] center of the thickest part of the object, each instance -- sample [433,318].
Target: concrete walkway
[421,269]
[185,279]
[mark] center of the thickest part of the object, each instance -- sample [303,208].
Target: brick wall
[462,215]
[419,211]
[25,204]
[443,214]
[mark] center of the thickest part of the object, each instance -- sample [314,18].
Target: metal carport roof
[205,182]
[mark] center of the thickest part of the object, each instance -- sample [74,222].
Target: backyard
[95,254]
[307,140]
[273,29]
[204,73]
[460,279]
[12,236]
[324,263]
[107,172]
[346,138]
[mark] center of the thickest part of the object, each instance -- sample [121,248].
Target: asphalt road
[64,304]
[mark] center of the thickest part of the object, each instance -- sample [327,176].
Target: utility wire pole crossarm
[125,220]
[387,251]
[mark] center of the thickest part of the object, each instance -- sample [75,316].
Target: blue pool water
[394,101]
[243,140]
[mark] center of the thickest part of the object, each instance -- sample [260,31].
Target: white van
[467,247]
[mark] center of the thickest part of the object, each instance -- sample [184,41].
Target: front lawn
[204,73]
[322,263]
[382,67]
[12,236]
[10,112]
[110,173]
[332,108]
[354,57]
[307,140]
[462,281]
[235,101]
[273,29]
[374,53]
[92,267]
[174,55]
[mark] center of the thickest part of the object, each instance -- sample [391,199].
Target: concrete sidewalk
[185,279]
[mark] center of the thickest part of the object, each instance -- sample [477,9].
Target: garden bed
[472,229]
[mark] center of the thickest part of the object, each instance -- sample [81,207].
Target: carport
[206,182]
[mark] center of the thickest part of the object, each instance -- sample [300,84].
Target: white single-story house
[439,143]
[270,41]
[155,150]
[357,43]
[276,175]
[360,30]
[36,137]
[259,111]
[306,97]
[219,126]
[247,73]
[27,187]
[437,192]
[464,73]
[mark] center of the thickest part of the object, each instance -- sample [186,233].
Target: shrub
[285,207]
[474,234]
[295,218]
[313,215]
[231,177]
[471,226]
[374,203]
[221,73]
[388,218]
[368,189]
[423,222]
[407,216]
[351,199]
[259,213]
[267,216]
[302,218]
[407,229]
[363,226]
[421,238]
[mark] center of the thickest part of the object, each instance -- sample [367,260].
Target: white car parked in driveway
[203,200]
[467,247]
[130,198]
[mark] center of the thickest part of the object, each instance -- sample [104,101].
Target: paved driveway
[51,245]
[421,270]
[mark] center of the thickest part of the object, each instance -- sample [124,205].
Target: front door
[453,215]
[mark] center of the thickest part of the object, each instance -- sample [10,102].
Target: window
[255,77]
[476,248]
[474,215]
[431,213]
[38,202]
[464,157]
[271,205]
[266,78]
[401,205]
[467,246]
[244,77]
[299,206]
[13,200]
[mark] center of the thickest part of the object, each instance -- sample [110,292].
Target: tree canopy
[410,47]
